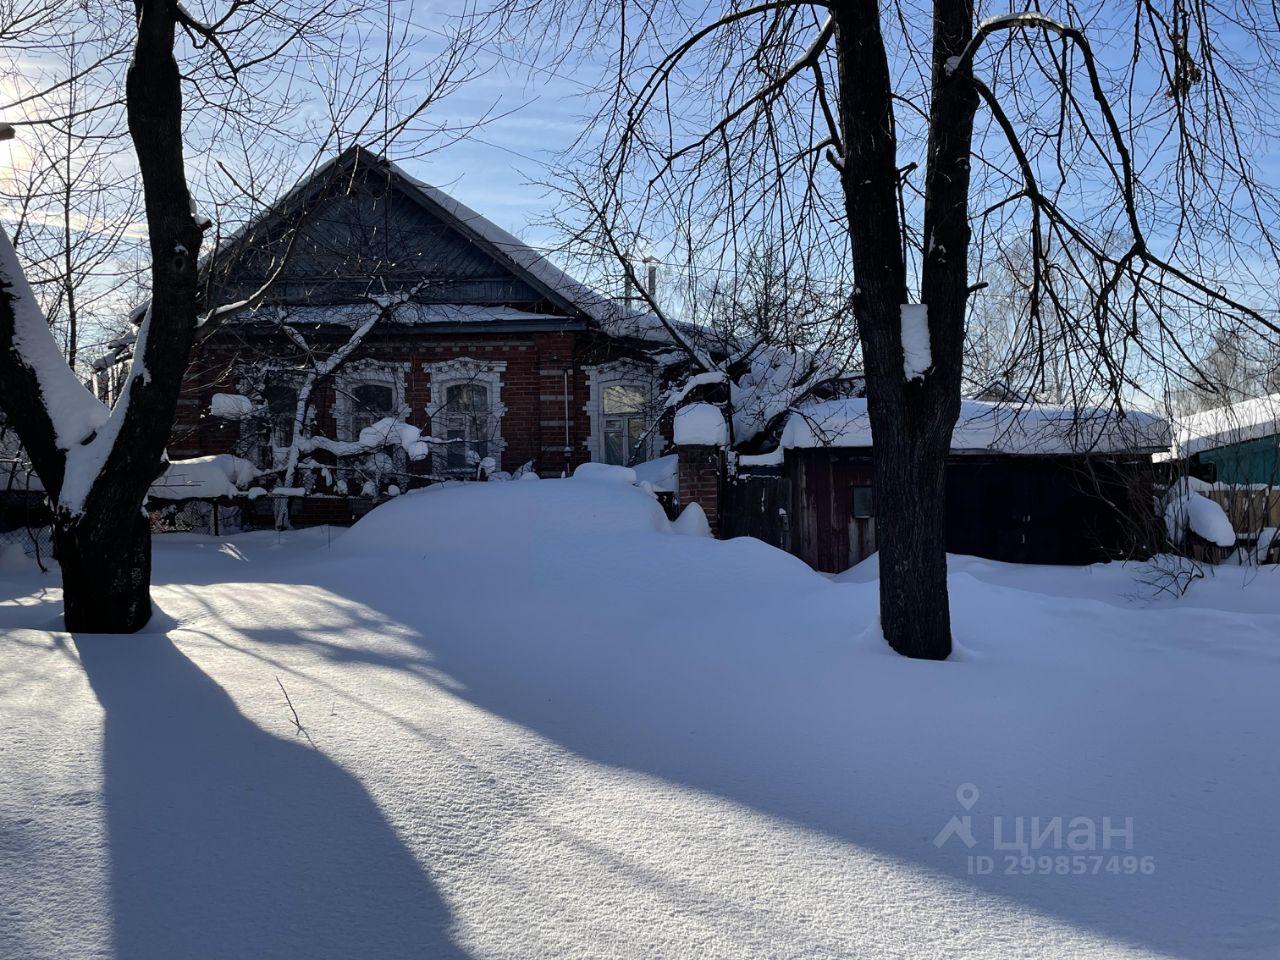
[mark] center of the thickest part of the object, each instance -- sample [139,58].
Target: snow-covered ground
[539,722]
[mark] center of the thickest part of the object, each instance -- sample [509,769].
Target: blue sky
[535,112]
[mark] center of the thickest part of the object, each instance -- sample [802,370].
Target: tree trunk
[909,461]
[106,573]
[911,419]
[910,498]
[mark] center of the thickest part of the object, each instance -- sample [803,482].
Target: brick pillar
[701,470]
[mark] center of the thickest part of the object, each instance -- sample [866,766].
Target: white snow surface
[662,474]
[692,522]
[917,350]
[700,424]
[222,475]
[231,406]
[607,472]
[990,427]
[1186,508]
[538,725]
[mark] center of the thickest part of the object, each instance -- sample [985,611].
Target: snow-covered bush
[1188,511]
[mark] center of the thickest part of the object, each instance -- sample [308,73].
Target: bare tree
[72,207]
[212,78]
[901,146]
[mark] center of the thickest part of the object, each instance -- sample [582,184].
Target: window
[282,408]
[466,418]
[365,392]
[860,506]
[623,407]
[625,426]
[467,409]
[370,402]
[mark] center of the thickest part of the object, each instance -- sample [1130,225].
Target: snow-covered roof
[591,302]
[1222,426]
[534,266]
[404,314]
[991,428]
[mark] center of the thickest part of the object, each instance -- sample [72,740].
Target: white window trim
[352,375]
[463,370]
[621,373]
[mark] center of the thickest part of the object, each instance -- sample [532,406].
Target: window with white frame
[466,412]
[626,424]
[370,402]
[466,420]
[623,410]
[366,392]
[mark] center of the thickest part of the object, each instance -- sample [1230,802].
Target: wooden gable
[363,227]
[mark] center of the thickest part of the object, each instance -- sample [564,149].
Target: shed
[1026,483]
[1236,444]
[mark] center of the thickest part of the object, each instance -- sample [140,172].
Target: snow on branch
[75,413]
[386,304]
[85,461]
[1006,21]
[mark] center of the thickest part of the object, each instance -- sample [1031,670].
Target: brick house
[462,332]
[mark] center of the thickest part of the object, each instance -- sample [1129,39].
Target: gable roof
[532,264]
[476,263]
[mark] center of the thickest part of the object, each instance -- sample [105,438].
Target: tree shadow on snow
[226,841]
[820,740]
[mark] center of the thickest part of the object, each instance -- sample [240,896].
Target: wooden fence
[753,505]
[1248,507]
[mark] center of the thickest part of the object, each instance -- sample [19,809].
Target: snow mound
[231,406]
[701,424]
[661,474]
[1186,509]
[692,522]
[604,471]
[479,517]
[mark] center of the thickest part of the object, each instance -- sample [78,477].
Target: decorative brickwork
[542,389]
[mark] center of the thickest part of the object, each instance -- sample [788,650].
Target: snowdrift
[484,516]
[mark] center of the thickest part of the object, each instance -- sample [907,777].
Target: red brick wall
[701,468]
[533,390]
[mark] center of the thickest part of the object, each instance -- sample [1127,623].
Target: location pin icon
[967,794]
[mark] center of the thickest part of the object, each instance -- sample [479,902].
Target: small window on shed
[861,503]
